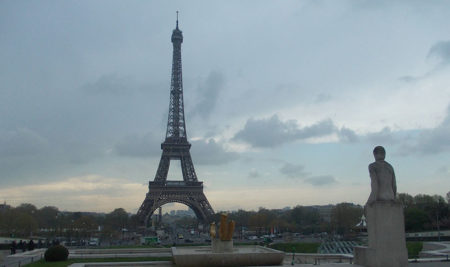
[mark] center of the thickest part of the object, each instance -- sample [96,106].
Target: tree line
[425,212]
[26,220]
[422,213]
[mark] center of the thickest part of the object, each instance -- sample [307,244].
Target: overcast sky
[284,100]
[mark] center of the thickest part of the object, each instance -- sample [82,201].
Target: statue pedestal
[219,246]
[386,230]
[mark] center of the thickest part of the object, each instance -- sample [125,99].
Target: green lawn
[71,261]
[297,247]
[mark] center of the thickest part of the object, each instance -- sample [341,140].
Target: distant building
[188,212]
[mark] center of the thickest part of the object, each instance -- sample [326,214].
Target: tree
[27,208]
[262,220]
[415,219]
[24,224]
[47,217]
[7,221]
[241,217]
[305,219]
[85,225]
[345,216]
[117,219]
[406,199]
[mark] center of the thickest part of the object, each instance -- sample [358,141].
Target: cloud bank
[272,132]
[297,171]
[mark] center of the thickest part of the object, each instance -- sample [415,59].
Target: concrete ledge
[122,264]
[119,253]
[241,256]
[318,259]
[119,250]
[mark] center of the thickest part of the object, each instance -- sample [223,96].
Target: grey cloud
[272,132]
[254,174]
[208,92]
[297,171]
[111,84]
[321,180]
[431,141]
[322,97]
[209,152]
[293,170]
[322,128]
[266,132]
[443,170]
[347,135]
[384,136]
[138,146]
[408,78]
[26,154]
[21,142]
[441,51]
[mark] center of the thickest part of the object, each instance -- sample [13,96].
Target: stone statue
[382,177]
[385,221]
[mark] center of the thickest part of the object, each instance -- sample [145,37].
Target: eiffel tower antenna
[189,191]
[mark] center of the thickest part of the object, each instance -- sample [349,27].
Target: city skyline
[284,102]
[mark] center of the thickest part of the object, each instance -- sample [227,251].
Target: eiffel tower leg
[199,204]
[205,207]
[145,211]
[187,167]
[163,168]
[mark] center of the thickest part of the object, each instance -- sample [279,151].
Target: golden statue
[226,229]
[212,230]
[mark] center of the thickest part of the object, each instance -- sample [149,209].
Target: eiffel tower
[176,147]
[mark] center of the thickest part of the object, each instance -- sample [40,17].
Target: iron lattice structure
[176,147]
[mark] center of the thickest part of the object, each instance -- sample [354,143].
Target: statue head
[379,153]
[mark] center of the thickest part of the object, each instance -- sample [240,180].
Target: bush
[414,248]
[56,253]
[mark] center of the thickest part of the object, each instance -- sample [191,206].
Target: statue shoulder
[390,166]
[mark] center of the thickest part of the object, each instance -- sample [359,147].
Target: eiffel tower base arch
[190,195]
